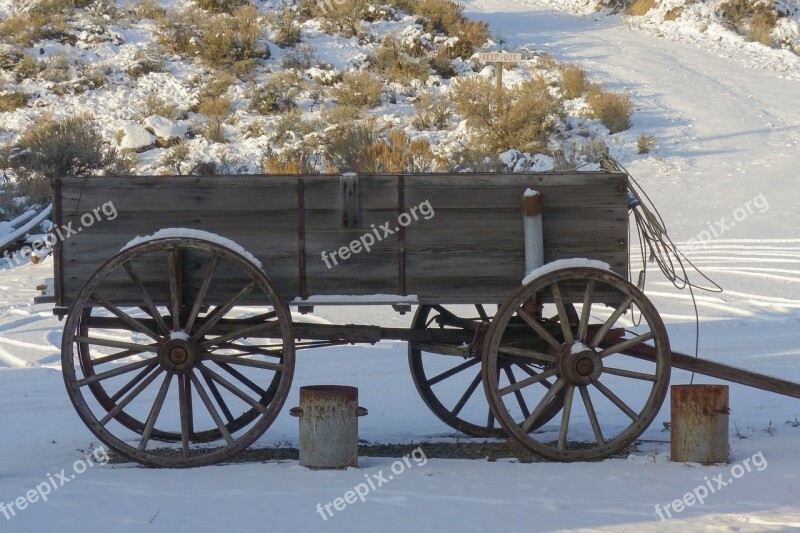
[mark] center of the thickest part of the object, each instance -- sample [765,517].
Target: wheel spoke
[140,376]
[234,360]
[155,411]
[528,354]
[222,311]
[147,299]
[115,372]
[130,397]
[532,372]
[520,399]
[110,343]
[241,333]
[543,333]
[233,389]
[201,294]
[543,403]
[467,394]
[627,344]
[629,374]
[211,409]
[616,401]
[244,379]
[587,402]
[528,381]
[583,324]
[185,413]
[125,317]
[453,371]
[601,333]
[562,433]
[262,350]
[218,397]
[483,315]
[175,263]
[114,357]
[566,329]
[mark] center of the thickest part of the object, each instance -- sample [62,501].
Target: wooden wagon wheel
[448,384]
[619,395]
[185,371]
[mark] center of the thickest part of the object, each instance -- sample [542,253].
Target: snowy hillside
[724,173]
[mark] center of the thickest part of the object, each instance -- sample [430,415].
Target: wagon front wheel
[610,397]
[178,339]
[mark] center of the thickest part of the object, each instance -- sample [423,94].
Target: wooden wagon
[179,348]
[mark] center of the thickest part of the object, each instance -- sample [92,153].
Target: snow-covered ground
[726,161]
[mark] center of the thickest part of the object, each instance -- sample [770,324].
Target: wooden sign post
[499,58]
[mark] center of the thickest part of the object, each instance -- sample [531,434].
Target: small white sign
[500,57]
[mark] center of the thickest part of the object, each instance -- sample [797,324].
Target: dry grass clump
[13,100]
[278,94]
[50,148]
[358,89]
[754,18]
[155,105]
[46,19]
[640,7]
[216,110]
[432,112]
[146,61]
[613,109]
[523,119]
[447,17]
[284,28]
[289,162]
[362,148]
[574,82]
[301,57]
[645,143]
[58,68]
[391,61]
[223,41]
[220,6]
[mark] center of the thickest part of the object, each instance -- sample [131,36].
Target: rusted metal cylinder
[328,426]
[699,423]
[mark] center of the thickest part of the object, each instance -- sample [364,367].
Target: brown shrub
[522,119]
[573,81]
[358,89]
[12,101]
[613,109]
[640,7]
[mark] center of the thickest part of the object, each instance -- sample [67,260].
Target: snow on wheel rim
[208,359]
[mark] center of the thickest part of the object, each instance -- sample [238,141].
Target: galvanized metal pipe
[532,207]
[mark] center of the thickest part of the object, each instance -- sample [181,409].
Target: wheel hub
[178,354]
[581,367]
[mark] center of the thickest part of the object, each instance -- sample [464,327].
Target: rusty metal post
[699,426]
[328,426]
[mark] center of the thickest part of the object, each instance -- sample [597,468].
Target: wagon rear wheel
[448,376]
[610,397]
[158,346]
